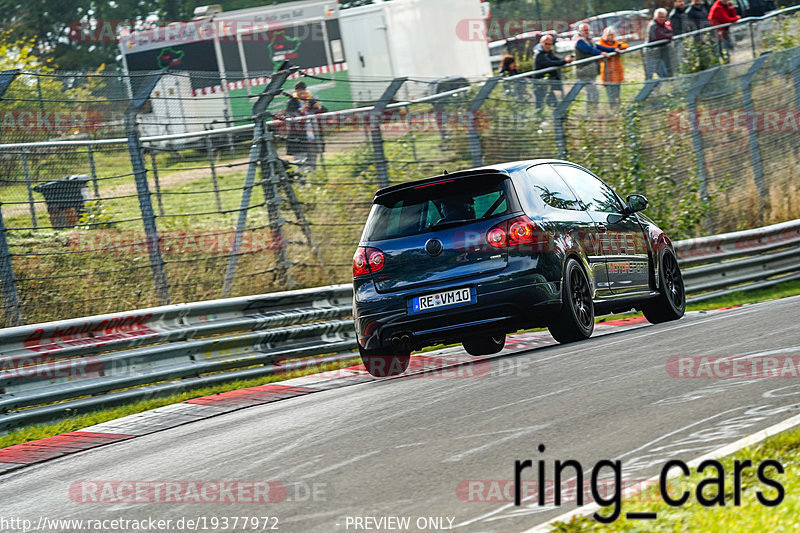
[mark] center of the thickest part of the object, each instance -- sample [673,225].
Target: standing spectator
[723,12]
[658,58]
[538,48]
[611,68]
[301,92]
[584,49]
[508,67]
[314,135]
[678,17]
[296,142]
[547,83]
[697,16]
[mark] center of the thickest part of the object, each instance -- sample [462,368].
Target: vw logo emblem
[433,247]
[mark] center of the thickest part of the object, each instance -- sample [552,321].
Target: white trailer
[422,39]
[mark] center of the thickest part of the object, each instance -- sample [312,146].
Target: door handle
[601,228]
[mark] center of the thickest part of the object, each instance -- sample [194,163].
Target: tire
[671,302]
[575,321]
[485,345]
[383,363]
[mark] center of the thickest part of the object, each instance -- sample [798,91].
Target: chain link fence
[125,192]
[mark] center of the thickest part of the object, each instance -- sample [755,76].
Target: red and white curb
[137,425]
[263,80]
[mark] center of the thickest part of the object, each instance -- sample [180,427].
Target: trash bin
[65,199]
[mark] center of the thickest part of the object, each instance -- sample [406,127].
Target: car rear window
[436,206]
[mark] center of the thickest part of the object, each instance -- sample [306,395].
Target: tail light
[515,232]
[367,260]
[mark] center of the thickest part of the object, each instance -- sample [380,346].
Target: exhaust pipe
[402,342]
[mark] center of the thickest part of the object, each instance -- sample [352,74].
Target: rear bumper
[503,305]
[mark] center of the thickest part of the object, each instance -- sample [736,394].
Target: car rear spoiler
[455,175]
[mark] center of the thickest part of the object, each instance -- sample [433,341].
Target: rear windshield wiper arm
[442,223]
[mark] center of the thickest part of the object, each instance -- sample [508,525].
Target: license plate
[440,300]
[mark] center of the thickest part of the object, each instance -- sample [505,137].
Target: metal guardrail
[73,366]
[743,260]
[85,360]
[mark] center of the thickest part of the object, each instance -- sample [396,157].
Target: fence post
[795,70]
[156,182]
[752,130]
[375,116]
[560,112]
[6,77]
[697,137]
[143,190]
[270,182]
[630,118]
[27,172]
[9,282]
[228,123]
[473,107]
[212,164]
[93,170]
[277,166]
[272,89]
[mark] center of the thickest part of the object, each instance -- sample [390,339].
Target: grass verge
[751,515]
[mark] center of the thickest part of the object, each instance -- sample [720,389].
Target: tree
[52,25]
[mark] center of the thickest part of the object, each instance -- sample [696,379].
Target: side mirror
[636,203]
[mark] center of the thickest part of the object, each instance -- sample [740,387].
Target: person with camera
[611,71]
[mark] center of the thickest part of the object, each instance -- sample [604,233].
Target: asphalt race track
[433,448]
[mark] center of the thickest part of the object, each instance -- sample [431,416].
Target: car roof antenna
[446,172]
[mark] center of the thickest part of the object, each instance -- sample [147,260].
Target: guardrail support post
[375,119]
[795,70]
[27,172]
[474,106]
[272,89]
[143,190]
[752,130]
[212,165]
[8,281]
[560,113]
[697,137]
[157,182]
[93,170]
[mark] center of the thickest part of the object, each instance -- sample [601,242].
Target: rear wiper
[442,223]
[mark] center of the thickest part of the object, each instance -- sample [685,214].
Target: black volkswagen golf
[474,255]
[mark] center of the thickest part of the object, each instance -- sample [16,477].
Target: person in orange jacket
[611,71]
